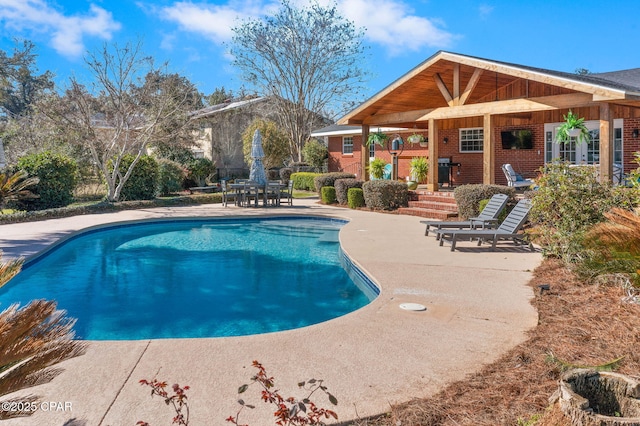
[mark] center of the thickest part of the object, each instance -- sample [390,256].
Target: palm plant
[14,186]
[32,340]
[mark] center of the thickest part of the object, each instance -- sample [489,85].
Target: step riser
[434,205]
[426,213]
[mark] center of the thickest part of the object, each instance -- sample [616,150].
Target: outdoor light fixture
[395,148]
[445,140]
[635,133]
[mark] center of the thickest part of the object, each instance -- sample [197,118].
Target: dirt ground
[579,325]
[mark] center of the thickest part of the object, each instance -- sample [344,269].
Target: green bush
[385,194]
[468,197]
[143,181]
[355,198]
[303,181]
[315,153]
[199,169]
[329,179]
[342,188]
[568,201]
[58,176]
[170,176]
[328,194]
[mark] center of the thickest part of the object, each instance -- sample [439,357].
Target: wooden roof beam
[473,81]
[443,89]
[396,117]
[544,103]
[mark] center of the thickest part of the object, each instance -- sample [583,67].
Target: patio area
[477,308]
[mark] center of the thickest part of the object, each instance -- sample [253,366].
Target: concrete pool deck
[478,307]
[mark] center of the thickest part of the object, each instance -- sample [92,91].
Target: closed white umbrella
[257,173]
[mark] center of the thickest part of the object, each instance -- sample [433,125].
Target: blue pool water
[196,278]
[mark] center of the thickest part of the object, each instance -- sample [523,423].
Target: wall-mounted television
[517,139]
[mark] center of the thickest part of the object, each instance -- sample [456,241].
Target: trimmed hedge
[355,198]
[142,182]
[342,188]
[329,179]
[468,197]
[303,181]
[328,195]
[58,179]
[385,194]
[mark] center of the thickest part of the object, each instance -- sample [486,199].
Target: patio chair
[226,194]
[508,229]
[514,179]
[286,197]
[273,192]
[488,217]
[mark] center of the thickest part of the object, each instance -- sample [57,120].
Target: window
[471,140]
[347,145]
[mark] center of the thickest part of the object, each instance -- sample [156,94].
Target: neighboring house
[221,126]
[483,113]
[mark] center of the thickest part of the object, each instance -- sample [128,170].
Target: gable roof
[455,82]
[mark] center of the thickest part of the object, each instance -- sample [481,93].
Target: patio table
[247,190]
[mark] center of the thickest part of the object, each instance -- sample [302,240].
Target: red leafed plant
[290,411]
[178,400]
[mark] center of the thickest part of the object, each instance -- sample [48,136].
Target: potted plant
[418,168]
[417,138]
[573,127]
[376,168]
[377,138]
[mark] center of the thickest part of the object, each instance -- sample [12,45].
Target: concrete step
[427,213]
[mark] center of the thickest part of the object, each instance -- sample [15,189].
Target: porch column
[364,153]
[489,152]
[606,143]
[432,175]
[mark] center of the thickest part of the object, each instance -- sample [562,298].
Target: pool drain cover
[413,307]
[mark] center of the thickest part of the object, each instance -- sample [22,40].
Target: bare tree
[130,106]
[308,59]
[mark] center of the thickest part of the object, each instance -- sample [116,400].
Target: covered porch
[466,106]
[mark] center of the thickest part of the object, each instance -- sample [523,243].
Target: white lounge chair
[514,179]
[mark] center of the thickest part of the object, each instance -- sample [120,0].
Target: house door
[581,153]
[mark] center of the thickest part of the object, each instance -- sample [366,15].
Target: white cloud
[389,23]
[394,25]
[212,21]
[485,10]
[67,33]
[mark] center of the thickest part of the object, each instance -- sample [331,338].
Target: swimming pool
[197,278]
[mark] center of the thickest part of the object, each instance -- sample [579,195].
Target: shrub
[285,174]
[355,198]
[328,195]
[142,182]
[342,187]
[304,181]
[385,194]
[468,197]
[315,153]
[568,201]
[170,176]
[58,179]
[329,179]
[199,169]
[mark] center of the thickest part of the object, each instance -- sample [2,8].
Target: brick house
[483,113]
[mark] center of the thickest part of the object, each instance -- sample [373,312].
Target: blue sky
[193,36]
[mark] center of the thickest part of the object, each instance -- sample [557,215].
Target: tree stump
[592,398]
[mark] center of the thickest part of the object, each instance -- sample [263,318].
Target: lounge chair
[508,229]
[514,179]
[488,217]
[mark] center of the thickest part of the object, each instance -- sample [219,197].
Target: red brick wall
[525,161]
